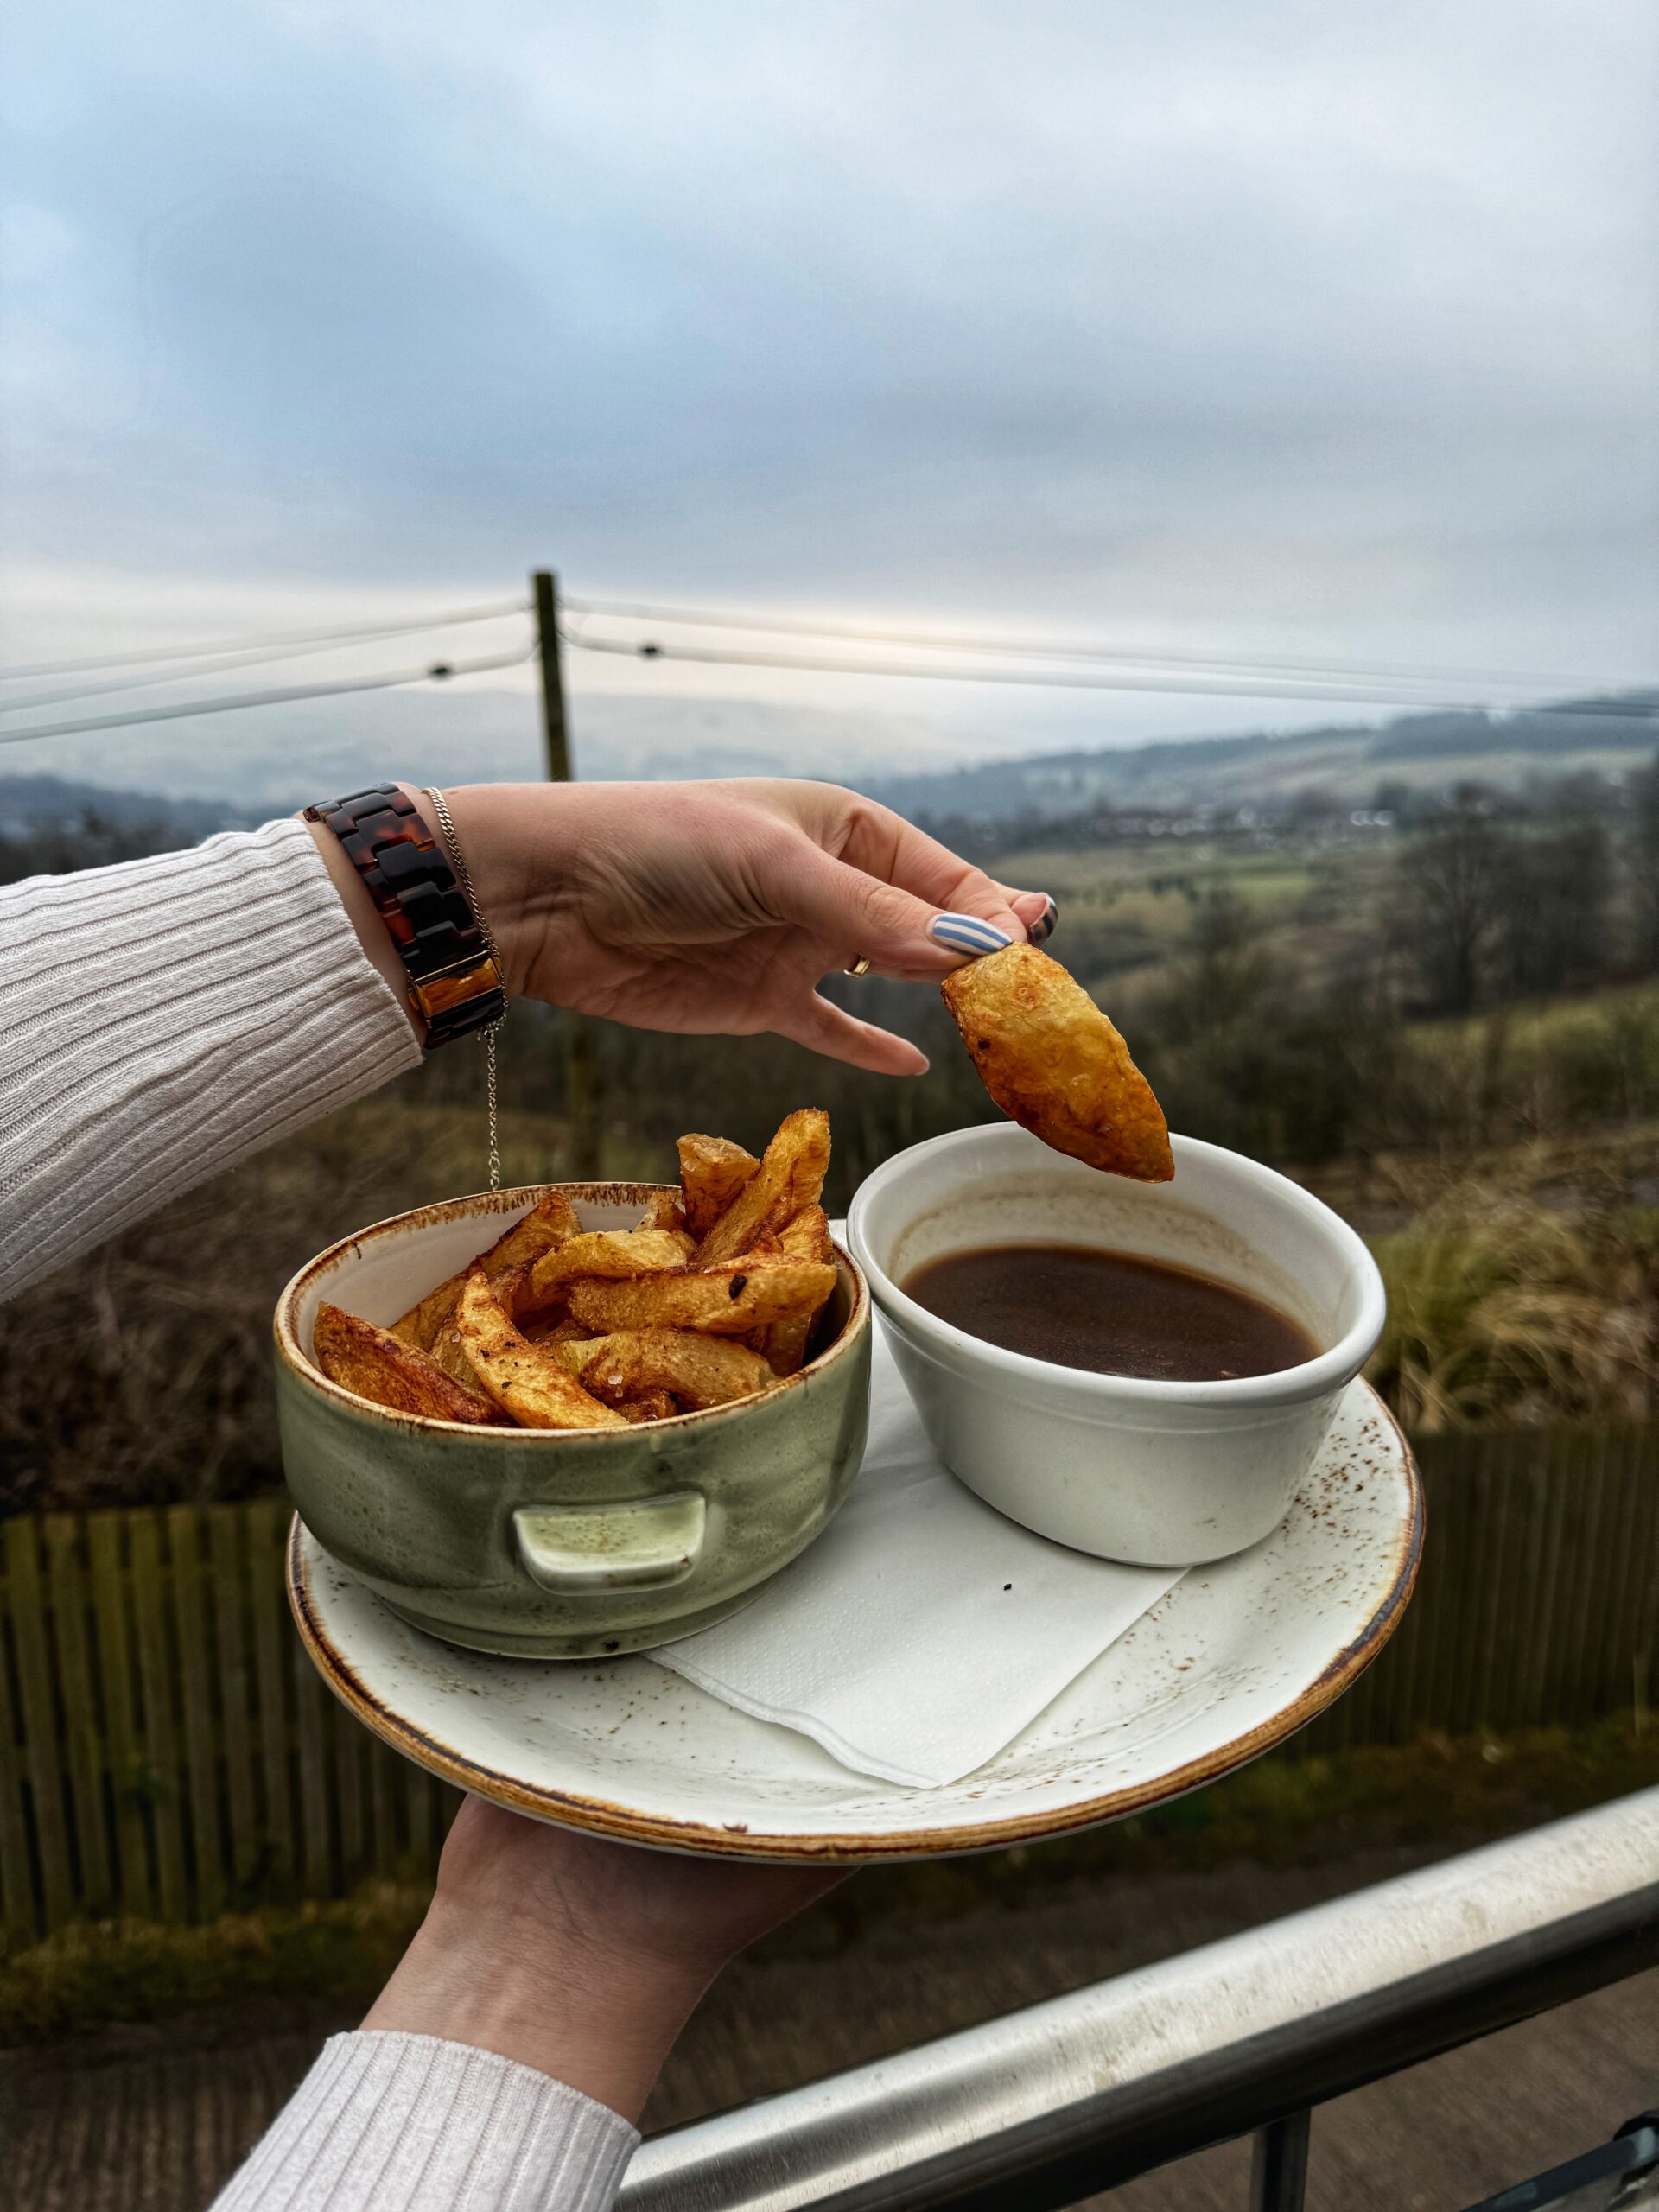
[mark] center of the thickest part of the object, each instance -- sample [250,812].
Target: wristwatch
[454,977]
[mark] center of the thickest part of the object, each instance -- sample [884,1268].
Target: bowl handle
[637,1543]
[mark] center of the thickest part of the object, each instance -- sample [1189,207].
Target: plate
[1230,1662]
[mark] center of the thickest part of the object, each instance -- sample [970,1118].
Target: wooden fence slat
[310,1698]
[17,1912]
[385,1849]
[420,1813]
[227,1534]
[196,1651]
[348,1792]
[267,1535]
[84,1751]
[149,1590]
[115,1665]
[37,1708]
[1594,1583]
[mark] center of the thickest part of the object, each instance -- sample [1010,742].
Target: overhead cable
[365,631]
[1238,687]
[222,666]
[439,671]
[1061,649]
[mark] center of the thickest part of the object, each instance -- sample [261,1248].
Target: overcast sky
[1282,328]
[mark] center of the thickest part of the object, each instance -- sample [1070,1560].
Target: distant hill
[1346,761]
[31,805]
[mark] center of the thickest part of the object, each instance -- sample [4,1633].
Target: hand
[717,907]
[578,1956]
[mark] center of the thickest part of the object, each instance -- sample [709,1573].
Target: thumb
[853,916]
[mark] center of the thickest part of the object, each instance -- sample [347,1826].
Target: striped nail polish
[1043,928]
[967,933]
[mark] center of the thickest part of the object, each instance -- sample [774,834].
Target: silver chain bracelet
[464,876]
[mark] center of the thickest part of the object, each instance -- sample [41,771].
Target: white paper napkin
[923,1630]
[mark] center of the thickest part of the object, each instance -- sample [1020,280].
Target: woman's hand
[579,1957]
[717,907]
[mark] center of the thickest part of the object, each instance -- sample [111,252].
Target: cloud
[1288,330]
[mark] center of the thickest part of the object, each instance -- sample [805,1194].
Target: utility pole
[583,1076]
[545,586]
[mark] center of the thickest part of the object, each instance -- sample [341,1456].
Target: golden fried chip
[789,1176]
[664,1211]
[553,1328]
[704,1370]
[548,1222]
[607,1255]
[806,1237]
[1053,1063]
[377,1364]
[729,1301]
[653,1405]
[531,1385]
[713,1170]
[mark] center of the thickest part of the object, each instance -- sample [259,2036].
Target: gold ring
[860,966]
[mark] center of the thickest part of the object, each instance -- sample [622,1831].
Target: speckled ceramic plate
[1233,1660]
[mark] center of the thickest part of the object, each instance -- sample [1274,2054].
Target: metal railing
[1052,2104]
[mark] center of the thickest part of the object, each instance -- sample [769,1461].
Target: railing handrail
[1052,2103]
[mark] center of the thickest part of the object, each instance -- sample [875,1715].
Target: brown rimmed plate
[1233,1660]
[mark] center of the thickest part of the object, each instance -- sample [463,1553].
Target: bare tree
[1449,890]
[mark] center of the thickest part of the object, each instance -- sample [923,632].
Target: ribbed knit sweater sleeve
[397,2123]
[161,1019]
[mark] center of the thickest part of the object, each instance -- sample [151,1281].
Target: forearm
[161,1020]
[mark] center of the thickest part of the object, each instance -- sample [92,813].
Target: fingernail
[1043,928]
[967,933]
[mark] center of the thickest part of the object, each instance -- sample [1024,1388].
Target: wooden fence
[168,1752]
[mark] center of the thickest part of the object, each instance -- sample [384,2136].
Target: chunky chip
[713,1170]
[1054,1062]
[791,1176]
[527,1380]
[702,1370]
[377,1364]
[607,1255]
[548,1222]
[664,1210]
[726,1302]
[806,1237]
[654,1405]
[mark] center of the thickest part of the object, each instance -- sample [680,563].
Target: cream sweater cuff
[401,2123]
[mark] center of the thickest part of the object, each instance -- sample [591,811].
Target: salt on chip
[1055,1064]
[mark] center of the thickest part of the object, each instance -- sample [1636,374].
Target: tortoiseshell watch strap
[454,980]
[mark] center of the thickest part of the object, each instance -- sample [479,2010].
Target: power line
[1242,688]
[438,670]
[268,638]
[1058,649]
[218,667]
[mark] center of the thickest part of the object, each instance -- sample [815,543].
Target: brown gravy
[1108,1312]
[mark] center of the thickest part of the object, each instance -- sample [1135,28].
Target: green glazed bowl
[553,1544]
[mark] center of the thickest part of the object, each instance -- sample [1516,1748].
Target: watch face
[444,994]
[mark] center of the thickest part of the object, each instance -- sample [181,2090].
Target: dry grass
[1498,1311]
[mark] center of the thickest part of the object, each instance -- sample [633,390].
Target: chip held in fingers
[713,1298]
[1054,1064]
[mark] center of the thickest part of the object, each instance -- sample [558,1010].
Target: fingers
[1037,912]
[824,1028]
[851,915]
[885,845]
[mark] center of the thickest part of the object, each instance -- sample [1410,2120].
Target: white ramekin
[1156,1473]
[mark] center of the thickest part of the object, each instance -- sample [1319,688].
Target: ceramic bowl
[558,1544]
[1154,1473]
